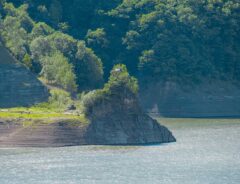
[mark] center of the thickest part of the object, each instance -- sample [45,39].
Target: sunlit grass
[32,115]
[35,115]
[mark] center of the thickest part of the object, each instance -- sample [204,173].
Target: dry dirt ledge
[58,134]
[13,133]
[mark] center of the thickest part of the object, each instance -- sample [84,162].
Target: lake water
[206,152]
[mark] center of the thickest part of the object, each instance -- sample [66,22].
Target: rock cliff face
[209,99]
[18,86]
[127,130]
[120,120]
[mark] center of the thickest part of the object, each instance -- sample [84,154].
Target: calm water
[207,152]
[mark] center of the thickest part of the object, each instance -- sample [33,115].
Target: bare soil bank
[59,134]
[42,135]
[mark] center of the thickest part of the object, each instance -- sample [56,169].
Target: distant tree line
[57,57]
[168,40]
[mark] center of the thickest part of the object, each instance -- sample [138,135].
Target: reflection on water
[206,152]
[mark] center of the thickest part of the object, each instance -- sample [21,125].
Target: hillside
[73,45]
[177,40]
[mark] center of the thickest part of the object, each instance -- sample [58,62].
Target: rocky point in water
[116,116]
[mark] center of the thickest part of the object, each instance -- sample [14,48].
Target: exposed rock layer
[144,131]
[208,99]
[41,135]
[118,119]
[18,86]
[124,130]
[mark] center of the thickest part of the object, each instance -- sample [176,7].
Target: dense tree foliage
[158,40]
[57,70]
[58,57]
[186,39]
[120,89]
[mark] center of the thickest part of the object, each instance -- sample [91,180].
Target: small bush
[59,99]
[120,86]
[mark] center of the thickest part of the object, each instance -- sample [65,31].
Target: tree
[41,47]
[120,81]
[57,70]
[27,61]
[14,37]
[41,29]
[120,91]
[97,38]
[158,40]
[88,68]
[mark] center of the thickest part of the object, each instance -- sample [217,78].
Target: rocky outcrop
[115,117]
[208,99]
[118,123]
[127,130]
[18,86]
[118,119]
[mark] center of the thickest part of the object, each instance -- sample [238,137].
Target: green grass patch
[33,115]
[48,112]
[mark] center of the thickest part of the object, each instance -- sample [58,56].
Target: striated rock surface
[208,99]
[127,130]
[118,119]
[62,133]
[56,134]
[18,86]
[116,116]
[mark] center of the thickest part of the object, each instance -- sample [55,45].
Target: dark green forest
[74,44]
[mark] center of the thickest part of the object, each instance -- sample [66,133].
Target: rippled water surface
[206,152]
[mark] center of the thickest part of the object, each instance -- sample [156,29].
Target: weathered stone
[120,120]
[18,86]
[127,130]
[209,99]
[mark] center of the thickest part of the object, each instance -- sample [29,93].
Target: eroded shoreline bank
[66,133]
